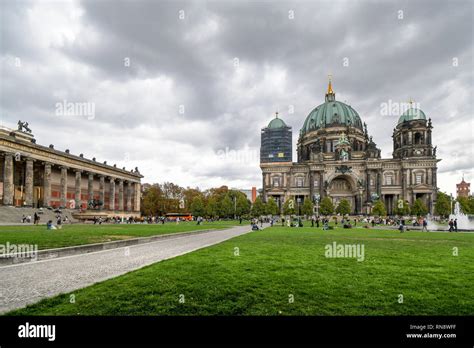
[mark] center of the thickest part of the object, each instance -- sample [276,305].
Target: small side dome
[276,123]
[412,114]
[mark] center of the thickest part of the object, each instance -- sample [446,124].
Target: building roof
[331,113]
[276,123]
[412,114]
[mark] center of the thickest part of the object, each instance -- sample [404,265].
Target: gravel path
[27,283]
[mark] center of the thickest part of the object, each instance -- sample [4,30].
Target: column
[64,187]
[322,192]
[129,196]
[90,187]
[78,189]
[379,182]
[137,196]
[120,197]
[102,191]
[29,183]
[8,187]
[311,186]
[112,194]
[367,184]
[47,185]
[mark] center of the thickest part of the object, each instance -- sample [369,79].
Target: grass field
[86,234]
[279,264]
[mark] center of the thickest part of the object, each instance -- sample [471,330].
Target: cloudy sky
[182,89]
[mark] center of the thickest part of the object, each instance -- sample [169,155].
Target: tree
[443,204]
[419,208]
[272,207]
[227,207]
[197,207]
[258,208]
[326,207]
[379,209]
[151,199]
[307,207]
[344,207]
[243,205]
[402,208]
[464,204]
[289,207]
[212,208]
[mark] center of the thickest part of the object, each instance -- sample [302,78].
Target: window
[299,182]
[388,180]
[418,178]
[276,182]
[316,183]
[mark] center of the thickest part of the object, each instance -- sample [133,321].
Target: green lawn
[275,264]
[88,233]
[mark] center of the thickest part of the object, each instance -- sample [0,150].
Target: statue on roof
[23,127]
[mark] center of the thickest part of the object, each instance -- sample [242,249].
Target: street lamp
[299,207]
[451,202]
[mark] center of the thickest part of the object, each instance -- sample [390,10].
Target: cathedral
[337,158]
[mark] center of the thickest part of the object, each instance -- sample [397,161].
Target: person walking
[451,224]
[425,225]
[455,225]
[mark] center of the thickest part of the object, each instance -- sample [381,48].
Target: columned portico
[37,176]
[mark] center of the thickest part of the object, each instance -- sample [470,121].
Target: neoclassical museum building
[37,176]
[337,158]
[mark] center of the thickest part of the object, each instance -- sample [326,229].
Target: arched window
[418,138]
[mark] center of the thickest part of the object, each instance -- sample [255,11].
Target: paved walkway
[27,283]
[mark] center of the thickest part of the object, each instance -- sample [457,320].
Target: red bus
[181,216]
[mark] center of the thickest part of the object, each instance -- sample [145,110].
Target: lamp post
[451,203]
[235,207]
[298,200]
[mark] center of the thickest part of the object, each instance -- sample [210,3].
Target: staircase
[13,215]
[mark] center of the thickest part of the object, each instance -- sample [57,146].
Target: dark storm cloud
[284,50]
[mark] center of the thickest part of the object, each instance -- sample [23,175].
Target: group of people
[453,225]
[27,218]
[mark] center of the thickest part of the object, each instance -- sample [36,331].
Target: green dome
[276,123]
[331,113]
[412,114]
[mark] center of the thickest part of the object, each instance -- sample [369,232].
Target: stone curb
[89,248]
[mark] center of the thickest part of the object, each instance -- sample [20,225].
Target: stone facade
[337,158]
[33,175]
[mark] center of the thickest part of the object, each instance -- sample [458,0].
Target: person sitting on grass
[50,226]
[326,225]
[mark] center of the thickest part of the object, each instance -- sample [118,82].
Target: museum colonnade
[32,183]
